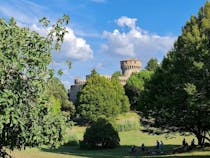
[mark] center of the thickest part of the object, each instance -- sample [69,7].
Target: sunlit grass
[128,138]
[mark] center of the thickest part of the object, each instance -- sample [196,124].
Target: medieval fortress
[128,67]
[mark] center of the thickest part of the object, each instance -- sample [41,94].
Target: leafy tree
[57,93]
[94,72]
[177,98]
[100,135]
[101,97]
[121,99]
[135,85]
[116,74]
[26,118]
[152,64]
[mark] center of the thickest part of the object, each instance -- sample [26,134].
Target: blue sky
[103,32]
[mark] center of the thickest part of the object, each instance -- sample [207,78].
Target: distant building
[128,67]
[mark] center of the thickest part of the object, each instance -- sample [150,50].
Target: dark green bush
[101,135]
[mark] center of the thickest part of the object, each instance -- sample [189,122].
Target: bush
[101,135]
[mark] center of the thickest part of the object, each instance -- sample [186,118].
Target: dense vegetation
[57,93]
[101,98]
[177,98]
[26,117]
[152,64]
[135,85]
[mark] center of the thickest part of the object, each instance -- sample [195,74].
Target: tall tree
[177,98]
[25,117]
[152,64]
[135,85]
[100,97]
[58,94]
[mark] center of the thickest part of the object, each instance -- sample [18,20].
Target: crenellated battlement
[130,66]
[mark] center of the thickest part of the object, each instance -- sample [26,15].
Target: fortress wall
[74,90]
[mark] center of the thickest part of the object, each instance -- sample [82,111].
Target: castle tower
[130,66]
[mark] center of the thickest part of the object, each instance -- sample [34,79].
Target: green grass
[128,138]
[127,122]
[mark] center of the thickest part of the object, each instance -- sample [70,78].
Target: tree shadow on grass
[119,152]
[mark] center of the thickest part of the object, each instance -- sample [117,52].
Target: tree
[100,135]
[135,85]
[121,99]
[152,64]
[116,74]
[177,98]
[57,93]
[100,97]
[26,118]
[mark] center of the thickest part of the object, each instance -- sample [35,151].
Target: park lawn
[127,139]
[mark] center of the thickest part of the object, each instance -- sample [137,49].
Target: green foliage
[116,74]
[60,72]
[177,97]
[93,72]
[56,90]
[26,119]
[57,32]
[119,95]
[100,135]
[56,104]
[152,64]
[135,85]
[100,97]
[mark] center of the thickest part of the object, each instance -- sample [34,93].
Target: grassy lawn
[128,138]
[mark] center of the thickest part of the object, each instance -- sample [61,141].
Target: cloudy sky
[103,32]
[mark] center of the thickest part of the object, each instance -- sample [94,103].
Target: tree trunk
[200,139]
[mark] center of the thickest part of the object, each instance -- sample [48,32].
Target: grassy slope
[127,139]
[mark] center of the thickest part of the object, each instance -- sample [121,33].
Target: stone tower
[130,66]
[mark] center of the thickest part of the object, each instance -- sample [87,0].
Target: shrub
[101,135]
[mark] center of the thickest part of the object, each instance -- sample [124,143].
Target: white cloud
[74,48]
[136,42]
[125,21]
